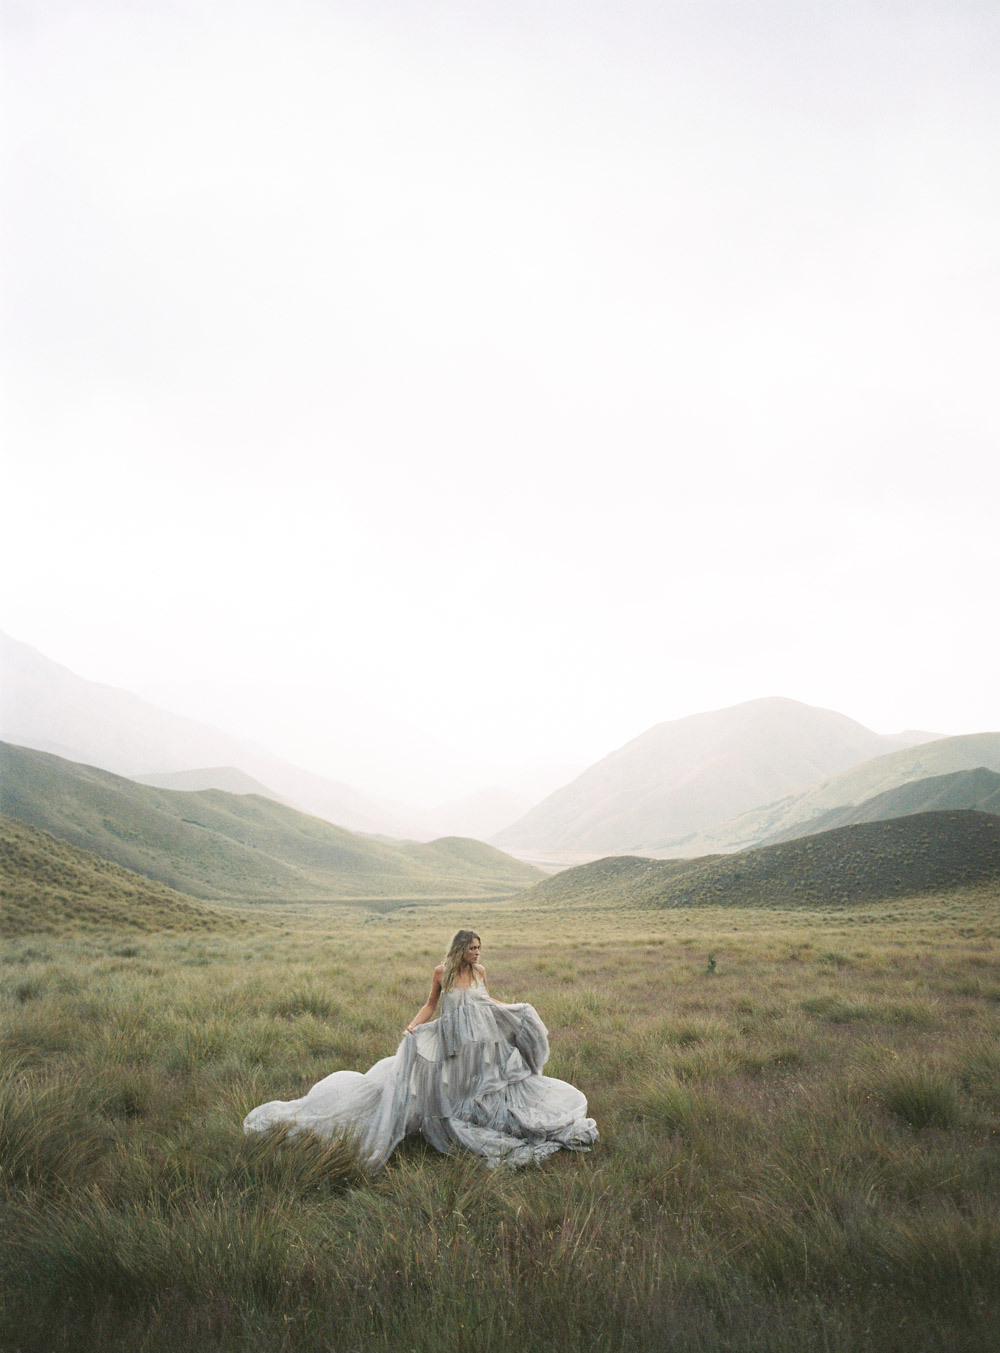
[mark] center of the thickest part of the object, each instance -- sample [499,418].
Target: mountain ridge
[682,776]
[230,779]
[49,707]
[52,709]
[978,788]
[219,846]
[852,787]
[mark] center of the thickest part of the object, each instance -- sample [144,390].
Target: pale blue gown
[471,1078]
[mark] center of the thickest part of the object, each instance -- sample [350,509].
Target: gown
[470,1079]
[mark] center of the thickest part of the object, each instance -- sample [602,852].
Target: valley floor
[799,1115]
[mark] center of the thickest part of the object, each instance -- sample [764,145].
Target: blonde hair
[453,962]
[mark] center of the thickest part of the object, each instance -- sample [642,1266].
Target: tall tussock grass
[923,1099]
[128,1254]
[798,1149]
[50,1133]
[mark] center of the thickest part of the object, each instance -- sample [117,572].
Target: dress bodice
[450,1000]
[466,1017]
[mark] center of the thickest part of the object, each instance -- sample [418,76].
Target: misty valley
[765,944]
[499,715]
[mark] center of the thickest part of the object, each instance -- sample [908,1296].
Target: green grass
[798,1153]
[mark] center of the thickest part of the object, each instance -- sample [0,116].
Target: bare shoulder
[480,972]
[439,972]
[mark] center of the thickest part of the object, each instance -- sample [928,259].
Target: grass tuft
[50,1135]
[923,1099]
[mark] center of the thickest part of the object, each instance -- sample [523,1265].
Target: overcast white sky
[434,391]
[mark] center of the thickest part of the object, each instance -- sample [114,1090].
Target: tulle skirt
[471,1079]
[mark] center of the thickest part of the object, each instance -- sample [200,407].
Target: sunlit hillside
[51,887]
[216,845]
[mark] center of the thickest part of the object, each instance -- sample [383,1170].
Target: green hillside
[52,887]
[867,862]
[979,789]
[215,845]
[787,817]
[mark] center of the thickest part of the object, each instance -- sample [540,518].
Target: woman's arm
[426,1011]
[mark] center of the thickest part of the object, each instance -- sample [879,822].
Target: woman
[471,1078]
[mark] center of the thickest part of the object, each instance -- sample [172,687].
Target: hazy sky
[433,391]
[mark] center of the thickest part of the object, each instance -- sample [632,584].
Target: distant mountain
[681,777]
[50,708]
[978,789]
[52,887]
[215,845]
[228,778]
[864,863]
[788,817]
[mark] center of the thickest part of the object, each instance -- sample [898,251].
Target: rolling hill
[867,862]
[788,817]
[678,778]
[215,845]
[50,887]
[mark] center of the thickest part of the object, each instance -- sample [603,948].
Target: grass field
[800,1119]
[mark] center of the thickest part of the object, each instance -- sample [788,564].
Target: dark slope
[217,845]
[867,862]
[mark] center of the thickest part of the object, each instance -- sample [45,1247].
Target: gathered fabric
[470,1079]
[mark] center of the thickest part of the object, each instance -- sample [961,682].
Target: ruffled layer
[369,1109]
[470,1079]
